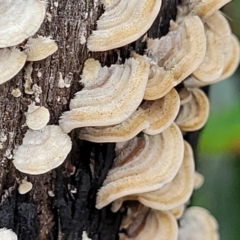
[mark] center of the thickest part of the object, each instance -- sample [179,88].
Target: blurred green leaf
[222,131]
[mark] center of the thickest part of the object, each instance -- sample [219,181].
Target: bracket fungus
[40,48]
[11,62]
[150,224]
[99,111]
[171,195]
[20,20]
[178,62]
[193,115]
[149,169]
[24,186]
[198,180]
[212,66]
[123,27]
[37,117]
[42,151]
[197,223]
[152,117]
[203,9]
[7,234]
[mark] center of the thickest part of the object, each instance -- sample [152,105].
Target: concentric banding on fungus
[42,151]
[20,20]
[171,195]
[153,167]
[119,109]
[194,114]
[134,21]
[156,225]
[212,66]
[180,61]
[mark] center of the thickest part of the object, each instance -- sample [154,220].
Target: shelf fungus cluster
[18,22]
[136,105]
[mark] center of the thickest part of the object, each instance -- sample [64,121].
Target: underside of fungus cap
[37,117]
[7,234]
[11,62]
[115,103]
[123,27]
[151,224]
[42,151]
[40,48]
[20,20]
[197,223]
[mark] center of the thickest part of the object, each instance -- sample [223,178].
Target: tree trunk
[71,210]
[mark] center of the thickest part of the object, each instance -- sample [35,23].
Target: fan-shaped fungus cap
[197,223]
[219,24]
[40,48]
[11,62]
[37,117]
[173,194]
[7,234]
[25,187]
[42,151]
[153,117]
[153,166]
[20,20]
[124,27]
[177,62]
[162,112]
[124,98]
[212,66]
[193,115]
[151,224]
[117,133]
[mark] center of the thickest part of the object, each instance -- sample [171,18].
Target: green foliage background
[219,149]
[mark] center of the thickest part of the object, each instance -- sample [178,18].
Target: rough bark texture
[71,210]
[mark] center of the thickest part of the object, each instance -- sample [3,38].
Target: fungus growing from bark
[40,48]
[37,117]
[112,106]
[7,234]
[185,95]
[152,166]
[194,114]
[197,223]
[123,27]
[24,186]
[152,117]
[20,20]
[11,62]
[175,63]
[171,195]
[42,151]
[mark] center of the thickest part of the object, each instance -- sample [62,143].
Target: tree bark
[37,215]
